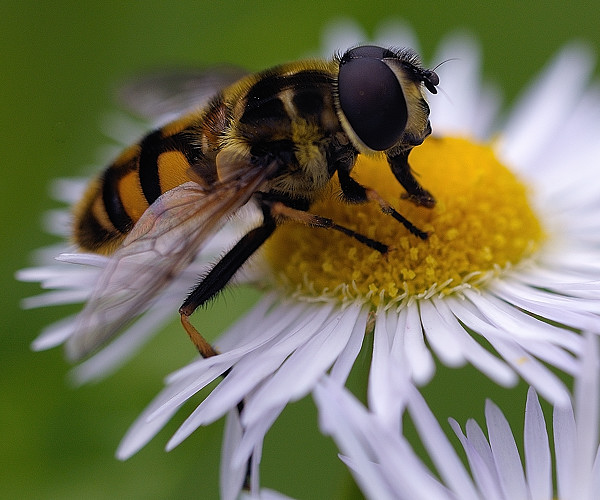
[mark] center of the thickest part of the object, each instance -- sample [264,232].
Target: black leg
[353,192]
[402,172]
[219,276]
[281,209]
[224,270]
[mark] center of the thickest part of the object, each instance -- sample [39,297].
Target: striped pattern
[287,111]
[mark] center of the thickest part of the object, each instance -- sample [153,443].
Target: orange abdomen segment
[116,200]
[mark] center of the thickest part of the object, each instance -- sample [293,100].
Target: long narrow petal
[538,463]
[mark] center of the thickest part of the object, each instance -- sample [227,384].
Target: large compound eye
[371,99]
[372,51]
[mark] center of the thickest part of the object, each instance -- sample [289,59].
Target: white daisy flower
[385,466]
[510,264]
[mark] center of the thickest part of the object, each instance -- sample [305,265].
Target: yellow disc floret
[482,224]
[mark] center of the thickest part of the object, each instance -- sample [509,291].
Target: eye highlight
[371,97]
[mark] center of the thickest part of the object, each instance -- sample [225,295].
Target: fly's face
[380,98]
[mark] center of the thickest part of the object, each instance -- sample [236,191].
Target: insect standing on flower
[275,137]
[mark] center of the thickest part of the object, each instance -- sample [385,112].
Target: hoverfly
[275,138]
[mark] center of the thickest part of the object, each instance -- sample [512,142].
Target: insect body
[275,137]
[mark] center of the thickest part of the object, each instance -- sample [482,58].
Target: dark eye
[372,51]
[371,98]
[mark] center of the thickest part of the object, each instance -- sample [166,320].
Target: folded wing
[162,244]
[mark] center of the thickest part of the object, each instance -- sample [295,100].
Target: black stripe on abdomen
[112,201]
[90,234]
[151,148]
[154,145]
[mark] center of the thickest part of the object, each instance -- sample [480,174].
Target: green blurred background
[58,62]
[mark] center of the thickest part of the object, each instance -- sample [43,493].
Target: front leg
[402,172]
[353,192]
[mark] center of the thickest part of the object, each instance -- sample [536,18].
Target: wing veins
[160,246]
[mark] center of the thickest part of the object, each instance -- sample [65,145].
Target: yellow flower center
[481,225]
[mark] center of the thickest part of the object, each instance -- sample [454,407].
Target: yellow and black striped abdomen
[162,160]
[286,113]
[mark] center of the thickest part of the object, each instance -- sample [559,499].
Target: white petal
[267,494]
[534,121]
[487,480]
[574,312]
[511,351]
[121,128]
[254,435]
[479,442]
[565,439]
[586,415]
[460,108]
[55,334]
[595,478]
[256,337]
[246,374]
[57,222]
[538,463]
[341,35]
[439,448]
[482,359]
[115,354]
[561,281]
[56,298]
[208,370]
[435,328]
[418,355]
[576,259]
[231,476]
[46,256]
[301,370]
[237,334]
[382,462]
[587,398]
[395,33]
[370,479]
[384,393]
[69,190]
[255,367]
[84,259]
[548,298]
[519,325]
[343,364]
[59,276]
[144,428]
[533,372]
[506,455]
[343,421]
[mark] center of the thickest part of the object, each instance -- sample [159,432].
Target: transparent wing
[161,245]
[162,96]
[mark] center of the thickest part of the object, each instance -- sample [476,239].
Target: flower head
[481,225]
